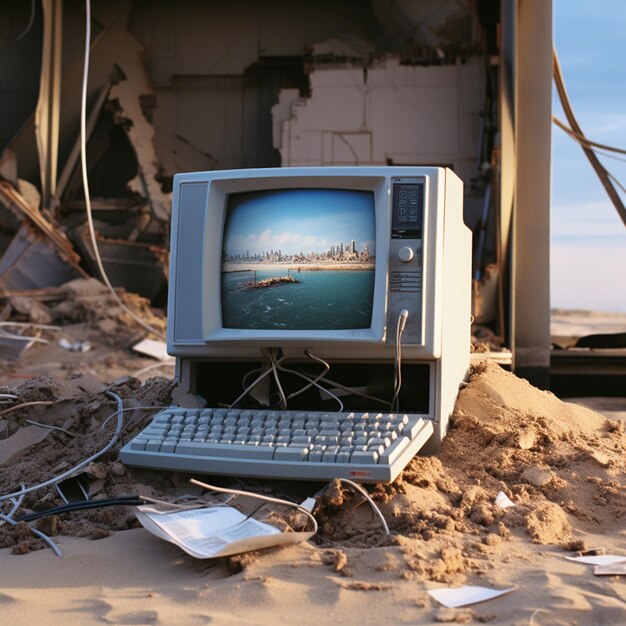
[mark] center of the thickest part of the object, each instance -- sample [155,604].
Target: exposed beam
[49,103]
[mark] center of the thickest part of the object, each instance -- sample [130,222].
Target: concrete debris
[343,47]
[8,166]
[38,232]
[538,476]
[31,308]
[32,261]
[129,94]
[15,445]
[136,267]
[15,202]
[12,348]
[75,346]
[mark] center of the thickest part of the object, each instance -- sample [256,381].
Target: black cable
[78,506]
[96,504]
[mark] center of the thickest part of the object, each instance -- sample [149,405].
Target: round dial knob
[406,254]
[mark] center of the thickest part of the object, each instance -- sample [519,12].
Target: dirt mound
[562,466]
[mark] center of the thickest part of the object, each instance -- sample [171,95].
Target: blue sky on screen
[299,220]
[588,239]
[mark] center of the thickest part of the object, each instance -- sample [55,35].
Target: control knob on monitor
[406,254]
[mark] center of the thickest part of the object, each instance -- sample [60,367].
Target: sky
[588,238]
[299,220]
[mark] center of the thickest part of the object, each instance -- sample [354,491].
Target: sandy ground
[563,465]
[567,326]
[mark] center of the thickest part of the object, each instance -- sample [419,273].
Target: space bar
[235,451]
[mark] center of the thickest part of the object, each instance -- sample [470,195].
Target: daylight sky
[588,239]
[299,220]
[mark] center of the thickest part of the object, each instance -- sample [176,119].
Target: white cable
[326,367]
[397,364]
[83,162]
[29,325]
[238,492]
[366,495]
[39,534]
[131,408]
[323,378]
[31,19]
[17,503]
[281,392]
[25,338]
[118,429]
[313,382]
[249,388]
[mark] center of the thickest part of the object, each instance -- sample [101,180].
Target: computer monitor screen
[298,259]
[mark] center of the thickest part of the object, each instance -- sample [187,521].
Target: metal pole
[531,214]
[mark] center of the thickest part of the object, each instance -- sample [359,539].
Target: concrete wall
[217,67]
[391,113]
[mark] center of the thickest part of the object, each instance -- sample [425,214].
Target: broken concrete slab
[15,202]
[13,447]
[129,94]
[32,262]
[137,267]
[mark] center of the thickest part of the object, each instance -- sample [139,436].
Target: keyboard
[303,445]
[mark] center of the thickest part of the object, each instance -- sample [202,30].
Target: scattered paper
[601,559]
[76,346]
[309,504]
[462,596]
[615,569]
[213,532]
[503,501]
[155,349]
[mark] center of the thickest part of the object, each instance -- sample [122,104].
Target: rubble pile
[561,466]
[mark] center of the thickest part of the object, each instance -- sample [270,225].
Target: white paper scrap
[152,347]
[503,501]
[453,598]
[601,559]
[213,532]
[615,569]
[308,504]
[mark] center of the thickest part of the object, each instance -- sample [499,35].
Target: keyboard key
[168,446]
[354,442]
[316,453]
[291,454]
[394,450]
[344,454]
[369,457]
[226,450]
[330,454]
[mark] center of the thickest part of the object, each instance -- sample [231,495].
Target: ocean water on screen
[321,300]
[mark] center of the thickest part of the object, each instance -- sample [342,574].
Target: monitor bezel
[224,184]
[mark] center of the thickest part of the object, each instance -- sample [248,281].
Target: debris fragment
[19,442]
[538,476]
[453,598]
[75,346]
[600,559]
[503,501]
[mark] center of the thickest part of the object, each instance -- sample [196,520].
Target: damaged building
[188,85]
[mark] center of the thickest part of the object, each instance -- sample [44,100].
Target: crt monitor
[326,263]
[318,258]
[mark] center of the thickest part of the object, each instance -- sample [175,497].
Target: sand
[562,465]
